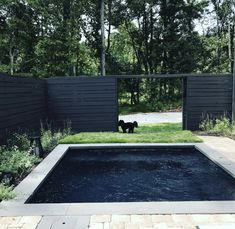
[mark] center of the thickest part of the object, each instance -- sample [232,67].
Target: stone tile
[142,220]
[161,226]
[57,222]
[221,218]
[96,226]
[178,227]
[30,219]
[117,225]
[9,220]
[35,209]
[121,218]
[225,218]
[3,226]
[15,225]
[100,218]
[141,227]
[162,219]
[106,226]
[131,226]
[217,226]
[29,226]
[184,220]
[200,218]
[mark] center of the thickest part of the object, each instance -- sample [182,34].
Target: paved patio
[183,221]
[125,222]
[25,222]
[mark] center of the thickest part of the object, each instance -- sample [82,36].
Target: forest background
[46,38]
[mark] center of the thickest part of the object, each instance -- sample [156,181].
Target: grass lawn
[155,133]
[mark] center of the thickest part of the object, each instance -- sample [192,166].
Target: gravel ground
[149,118]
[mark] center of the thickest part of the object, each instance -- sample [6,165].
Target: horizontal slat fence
[207,96]
[22,104]
[90,104]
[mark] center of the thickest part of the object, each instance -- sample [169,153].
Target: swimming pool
[134,174]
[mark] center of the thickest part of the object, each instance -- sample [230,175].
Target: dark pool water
[134,175]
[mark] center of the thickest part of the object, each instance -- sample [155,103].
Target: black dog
[130,126]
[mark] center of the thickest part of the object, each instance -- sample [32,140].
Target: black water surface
[134,175]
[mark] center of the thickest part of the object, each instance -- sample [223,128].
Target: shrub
[16,162]
[223,126]
[207,125]
[219,126]
[20,140]
[50,138]
[6,192]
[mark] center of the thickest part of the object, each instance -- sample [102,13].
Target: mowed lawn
[154,133]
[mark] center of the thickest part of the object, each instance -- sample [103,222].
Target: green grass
[155,133]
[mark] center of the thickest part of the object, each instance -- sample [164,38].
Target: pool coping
[30,184]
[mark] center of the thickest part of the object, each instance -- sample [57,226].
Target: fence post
[233,98]
[103,72]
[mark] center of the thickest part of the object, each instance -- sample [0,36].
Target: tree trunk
[11,54]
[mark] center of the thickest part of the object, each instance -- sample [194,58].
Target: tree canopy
[62,37]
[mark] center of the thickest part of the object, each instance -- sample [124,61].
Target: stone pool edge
[30,184]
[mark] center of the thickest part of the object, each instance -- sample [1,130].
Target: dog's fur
[130,126]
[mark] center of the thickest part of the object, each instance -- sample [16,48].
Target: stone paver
[100,218]
[96,226]
[142,220]
[225,146]
[114,225]
[24,222]
[176,221]
[131,226]
[121,218]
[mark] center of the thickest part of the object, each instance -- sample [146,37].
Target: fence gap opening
[151,100]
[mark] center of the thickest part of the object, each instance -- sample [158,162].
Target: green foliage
[222,126]
[157,133]
[50,138]
[16,162]
[6,192]
[16,159]
[21,141]
[150,95]
[48,38]
[125,109]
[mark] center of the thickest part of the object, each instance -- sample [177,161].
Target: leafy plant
[19,140]
[16,162]
[50,138]
[6,192]
[220,126]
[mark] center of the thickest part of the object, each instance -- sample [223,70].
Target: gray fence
[91,103]
[22,104]
[206,96]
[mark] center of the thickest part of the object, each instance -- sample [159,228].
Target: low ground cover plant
[6,192]
[16,159]
[51,138]
[220,126]
[15,163]
[155,133]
